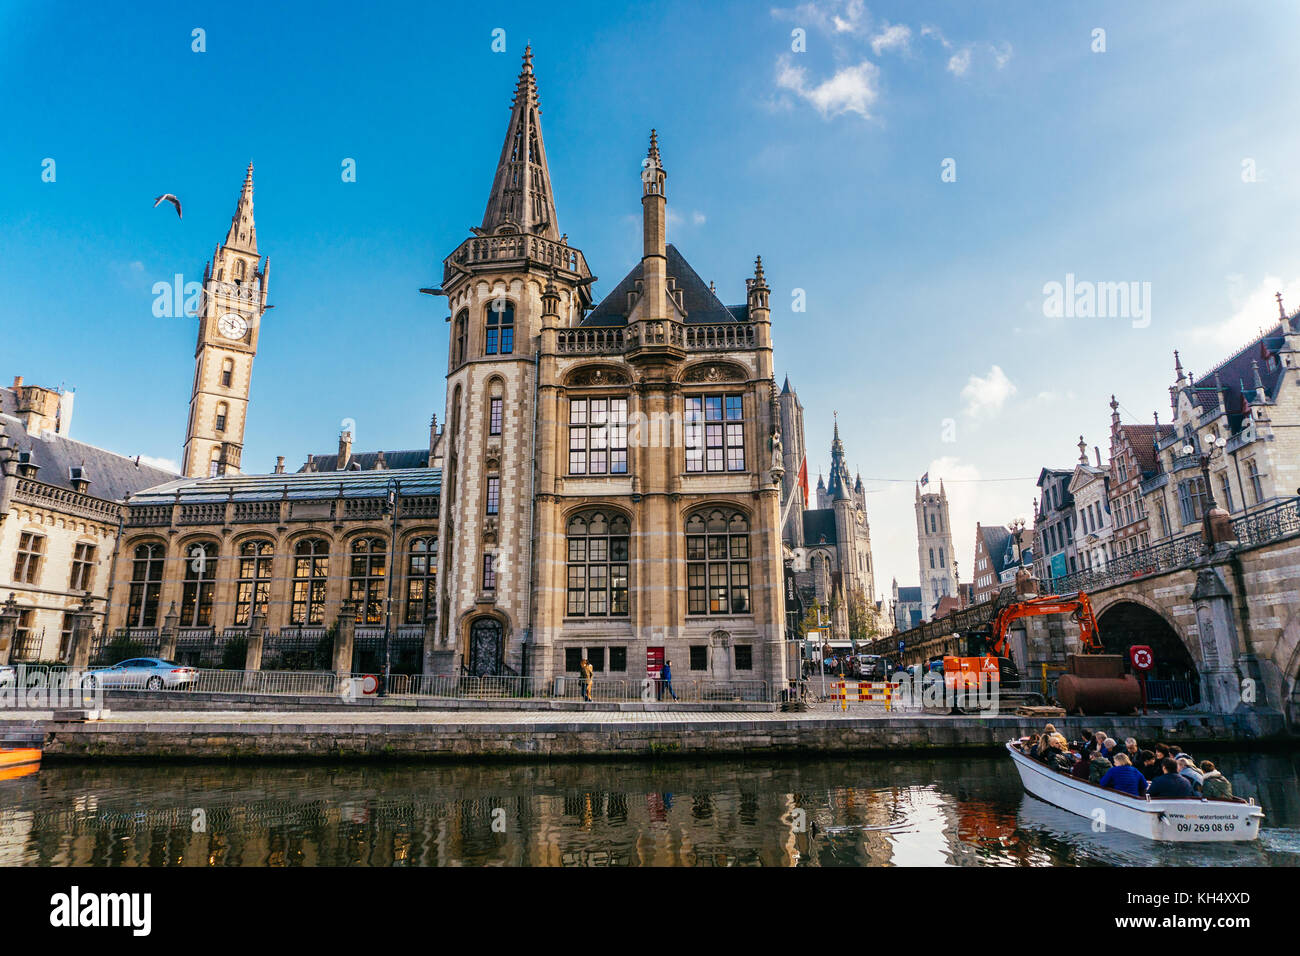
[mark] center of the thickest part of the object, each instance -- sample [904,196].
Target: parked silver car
[143,673]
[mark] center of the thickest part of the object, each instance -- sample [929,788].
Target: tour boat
[19,762]
[1180,819]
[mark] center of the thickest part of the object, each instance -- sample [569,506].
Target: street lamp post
[1215,523]
[394,490]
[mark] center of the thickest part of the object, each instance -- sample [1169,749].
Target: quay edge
[329,736]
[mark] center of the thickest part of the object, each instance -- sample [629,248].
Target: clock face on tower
[232,325]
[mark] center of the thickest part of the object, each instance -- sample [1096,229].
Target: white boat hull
[1181,820]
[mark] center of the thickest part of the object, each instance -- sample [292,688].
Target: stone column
[170,631]
[438,659]
[1217,633]
[345,638]
[256,634]
[83,629]
[8,627]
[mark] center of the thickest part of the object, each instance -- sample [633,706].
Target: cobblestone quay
[263,735]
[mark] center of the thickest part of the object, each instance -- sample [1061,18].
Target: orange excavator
[1095,681]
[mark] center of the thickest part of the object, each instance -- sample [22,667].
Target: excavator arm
[1076,605]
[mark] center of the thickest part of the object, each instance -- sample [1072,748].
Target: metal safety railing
[362,685]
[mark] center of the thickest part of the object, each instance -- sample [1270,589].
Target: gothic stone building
[606,484]
[60,512]
[611,471]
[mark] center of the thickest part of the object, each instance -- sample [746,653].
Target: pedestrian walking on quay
[587,672]
[666,677]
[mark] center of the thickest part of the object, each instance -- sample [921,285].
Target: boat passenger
[1188,770]
[1080,768]
[1215,785]
[1163,751]
[1147,763]
[1131,748]
[1124,777]
[1170,783]
[1110,749]
[1097,767]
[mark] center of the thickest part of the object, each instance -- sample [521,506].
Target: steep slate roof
[1143,438]
[413,458]
[701,305]
[112,477]
[819,523]
[909,595]
[301,484]
[1237,375]
[997,540]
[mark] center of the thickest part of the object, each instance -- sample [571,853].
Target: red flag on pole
[803,480]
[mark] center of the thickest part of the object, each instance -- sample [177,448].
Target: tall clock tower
[230,317]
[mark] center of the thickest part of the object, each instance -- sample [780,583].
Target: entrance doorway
[485,647]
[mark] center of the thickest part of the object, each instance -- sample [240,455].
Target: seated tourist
[1163,753]
[1097,767]
[1124,777]
[1110,748]
[1214,785]
[1147,763]
[1080,768]
[1131,748]
[1188,770]
[1170,783]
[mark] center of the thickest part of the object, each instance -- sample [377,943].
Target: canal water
[951,811]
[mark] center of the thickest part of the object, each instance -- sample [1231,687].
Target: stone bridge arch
[1127,616]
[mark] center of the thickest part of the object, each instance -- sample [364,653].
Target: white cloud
[1254,311]
[959,62]
[930,31]
[1002,54]
[852,89]
[831,16]
[896,37]
[166,464]
[986,396]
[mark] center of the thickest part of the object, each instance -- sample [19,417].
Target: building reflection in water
[921,812]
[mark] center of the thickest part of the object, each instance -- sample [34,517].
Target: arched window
[223,410]
[366,579]
[717,563]
[227,372]
[254,589]
[311,566]
[941,557]
[146,585]
[239,271]
[199,584]
[462,324]
[421,579]
[500,328]
[214,464]
[597,565]
[932,558]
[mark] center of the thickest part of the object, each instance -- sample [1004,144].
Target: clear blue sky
[1123,165]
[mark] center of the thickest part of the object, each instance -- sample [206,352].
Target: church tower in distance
[230,318]
[934,550]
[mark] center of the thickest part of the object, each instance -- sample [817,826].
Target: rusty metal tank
[1097,684]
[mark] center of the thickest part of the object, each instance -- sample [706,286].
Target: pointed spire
[521,197]
[1258,383]
[653,154]
[785,389]
[840,481]
[1083,451]
[1281,311]
[243,232]
[758,271]
[1179,377]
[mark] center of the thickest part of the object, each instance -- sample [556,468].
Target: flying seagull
[171,199]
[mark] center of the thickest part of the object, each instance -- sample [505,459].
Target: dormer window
[80,480]
[27,467]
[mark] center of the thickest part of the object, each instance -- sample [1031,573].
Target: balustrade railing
[591,341]
[720,338]
[1277,521]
